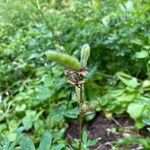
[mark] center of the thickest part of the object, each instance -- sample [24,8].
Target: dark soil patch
[109,130]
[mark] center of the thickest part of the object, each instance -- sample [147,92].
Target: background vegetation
[35,95]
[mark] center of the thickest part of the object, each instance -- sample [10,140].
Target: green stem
[80,117]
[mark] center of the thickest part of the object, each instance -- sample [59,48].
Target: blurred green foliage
[34,93]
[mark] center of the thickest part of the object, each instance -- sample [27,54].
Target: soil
[109,130]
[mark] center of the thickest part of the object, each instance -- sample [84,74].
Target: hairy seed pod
[85,53]
[64,59]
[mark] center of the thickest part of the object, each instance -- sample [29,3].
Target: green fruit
[85,53]
[64,59]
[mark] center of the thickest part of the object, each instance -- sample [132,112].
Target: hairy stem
[80,116]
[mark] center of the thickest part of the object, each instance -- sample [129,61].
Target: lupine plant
[76,73]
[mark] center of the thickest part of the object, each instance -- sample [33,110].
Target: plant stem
[80,116]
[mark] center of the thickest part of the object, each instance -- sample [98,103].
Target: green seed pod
[85,53]
[64,59]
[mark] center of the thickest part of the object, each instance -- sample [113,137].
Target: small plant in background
[76,73]
[25,143]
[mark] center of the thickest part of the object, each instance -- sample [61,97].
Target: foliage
[34,94]
[86,143]
[131,97]
[24,143]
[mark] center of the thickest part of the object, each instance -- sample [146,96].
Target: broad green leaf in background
[27,144]
[128,80]
[73,113]
[5,143]
[146,121]
[29,118]
[45,143]
[43,93]
[59,147]
[141,54]
[135,110]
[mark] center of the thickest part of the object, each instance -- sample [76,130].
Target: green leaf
[135,110]
[148,129]
[85,137]
[73,113]
[92,142]
[133,83]
[137,42]
[29,118]
[146,121]
[27,144]
[43,93]
[128,80]
[45,143]
[127,97]
[5,143]
[20,108]
[139,124]
[129,5]
[141,54]
[59,147]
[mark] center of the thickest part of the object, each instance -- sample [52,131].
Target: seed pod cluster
[64,59]
[85,53]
